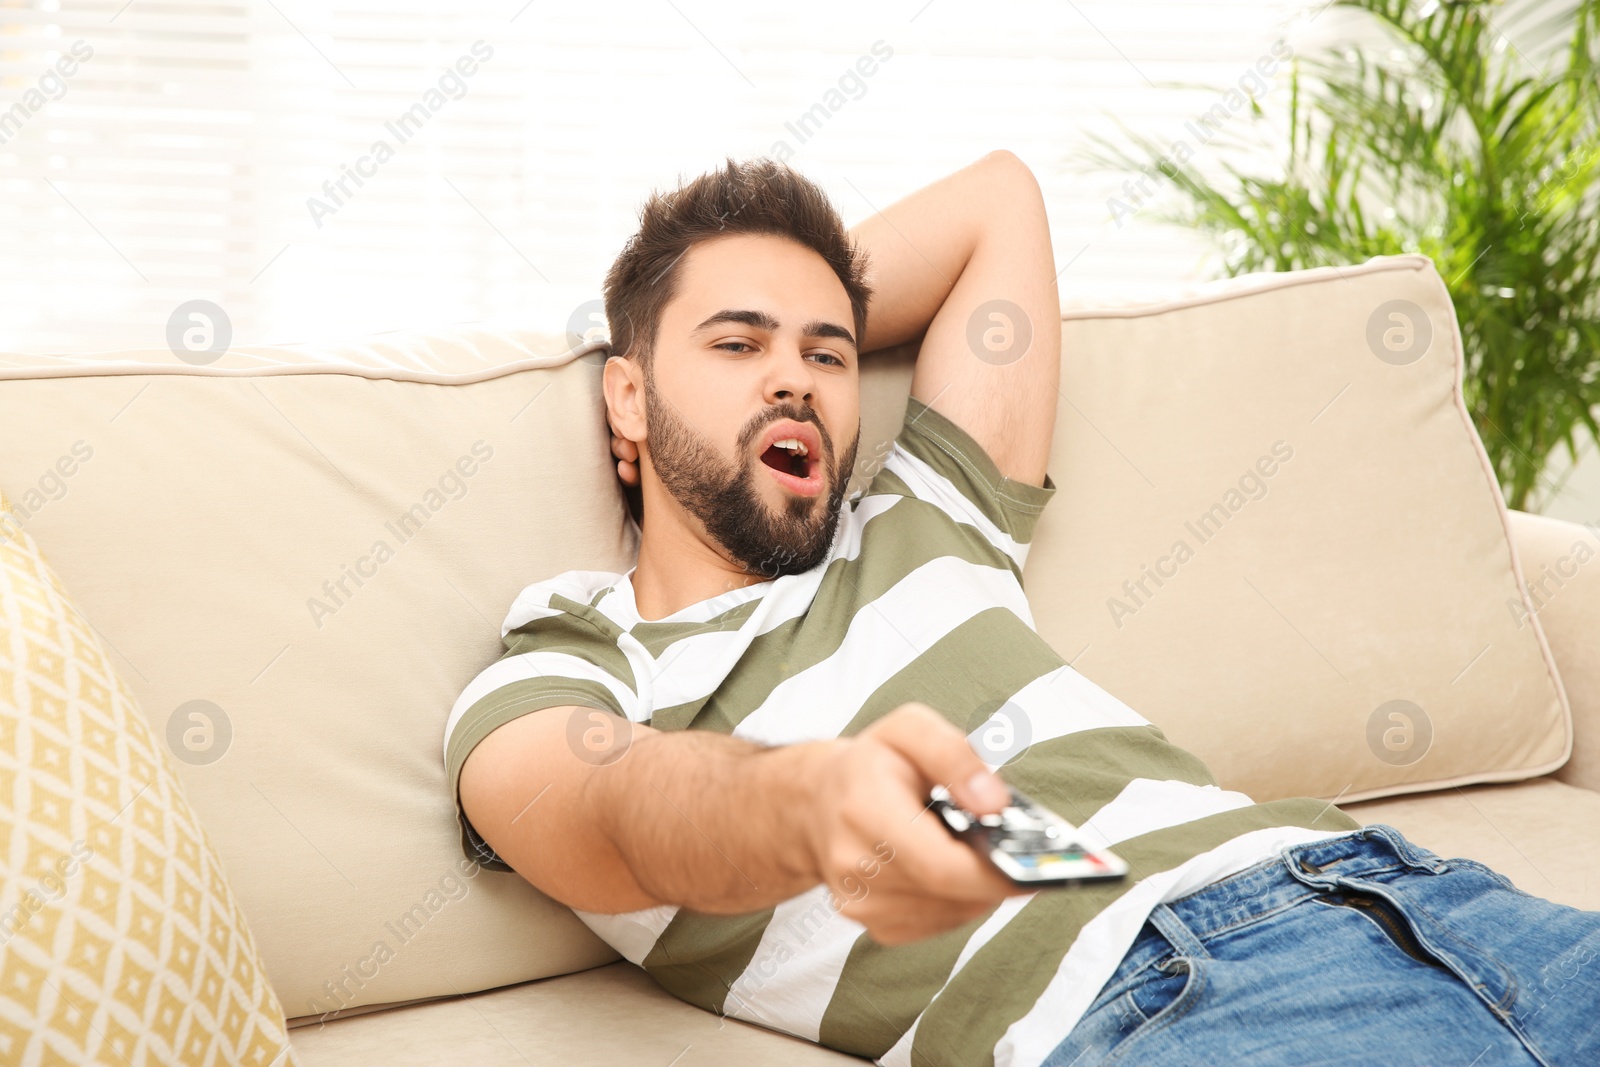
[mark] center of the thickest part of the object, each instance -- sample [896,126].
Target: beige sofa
[313,545]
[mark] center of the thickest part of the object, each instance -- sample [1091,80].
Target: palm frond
[1474,140]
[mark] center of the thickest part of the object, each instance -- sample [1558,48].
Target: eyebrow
[761,320]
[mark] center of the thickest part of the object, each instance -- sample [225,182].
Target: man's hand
[626,453]
[888,860]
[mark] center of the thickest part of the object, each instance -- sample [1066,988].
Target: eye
[728,344]
[829,355]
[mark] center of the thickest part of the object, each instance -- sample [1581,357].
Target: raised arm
[718,825]
[968,259]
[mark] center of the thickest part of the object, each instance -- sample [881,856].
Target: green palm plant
[1473,138]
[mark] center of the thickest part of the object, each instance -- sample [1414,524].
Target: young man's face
[758,347]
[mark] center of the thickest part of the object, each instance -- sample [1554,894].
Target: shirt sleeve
[936,461]
[559,651]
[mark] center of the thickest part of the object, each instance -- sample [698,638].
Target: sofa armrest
[1561,571]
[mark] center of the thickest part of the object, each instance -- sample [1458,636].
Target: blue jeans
[1360,949]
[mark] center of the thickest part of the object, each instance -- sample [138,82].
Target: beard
[724,498]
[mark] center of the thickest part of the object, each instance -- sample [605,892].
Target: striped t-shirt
[920,598]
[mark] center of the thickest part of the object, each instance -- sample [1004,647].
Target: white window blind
[230,151]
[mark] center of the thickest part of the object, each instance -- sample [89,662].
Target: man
[721,759]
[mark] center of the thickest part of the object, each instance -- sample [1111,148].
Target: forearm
[709,822]
[916,249]
[918,246]
[967,263]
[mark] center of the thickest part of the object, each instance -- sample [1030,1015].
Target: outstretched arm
[721,826]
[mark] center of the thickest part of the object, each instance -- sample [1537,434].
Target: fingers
[895,914]
[940,752]
[931,856]
[875,794]
[627,455]
[881,842]
[920,887]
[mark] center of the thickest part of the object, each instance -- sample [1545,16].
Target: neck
[677,567]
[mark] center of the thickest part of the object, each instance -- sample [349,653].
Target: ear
[623,382]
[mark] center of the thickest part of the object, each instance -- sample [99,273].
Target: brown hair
[757,196]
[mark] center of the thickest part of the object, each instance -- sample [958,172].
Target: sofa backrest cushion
[1278,538]
[312,549]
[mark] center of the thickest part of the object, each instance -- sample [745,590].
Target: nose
[789,376]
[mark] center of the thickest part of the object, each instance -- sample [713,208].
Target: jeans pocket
[1168,990]
[1112,1026]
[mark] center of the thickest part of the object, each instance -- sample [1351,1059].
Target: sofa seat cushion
[1542,834]
[612,1014]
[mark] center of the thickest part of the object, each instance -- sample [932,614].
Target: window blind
[325,170]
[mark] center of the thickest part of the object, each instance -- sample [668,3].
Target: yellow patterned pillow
[120,940]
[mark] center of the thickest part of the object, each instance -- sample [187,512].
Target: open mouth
[794,456]
[789,456]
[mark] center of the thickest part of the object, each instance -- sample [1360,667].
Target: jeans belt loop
[1178,935]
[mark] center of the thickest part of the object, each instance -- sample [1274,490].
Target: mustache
[793,412]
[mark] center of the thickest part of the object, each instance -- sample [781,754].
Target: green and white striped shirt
[920,598]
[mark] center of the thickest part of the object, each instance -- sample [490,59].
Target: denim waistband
[1270,886]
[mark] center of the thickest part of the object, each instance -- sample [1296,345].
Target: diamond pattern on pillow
[120,939]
